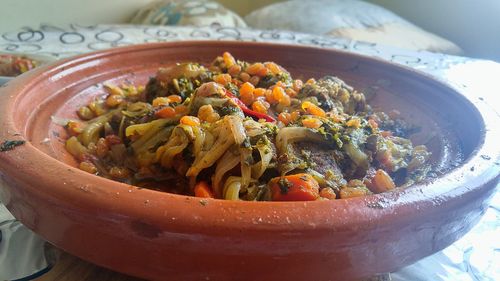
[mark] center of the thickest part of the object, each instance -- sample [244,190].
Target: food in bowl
[15,64]
[12,65]
[246,131]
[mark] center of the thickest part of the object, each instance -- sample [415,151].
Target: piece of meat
[334,95]
[318,157]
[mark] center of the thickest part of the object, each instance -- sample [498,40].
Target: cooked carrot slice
[298,187]
[203,190]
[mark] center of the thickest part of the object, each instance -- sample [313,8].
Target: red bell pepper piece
[248,111]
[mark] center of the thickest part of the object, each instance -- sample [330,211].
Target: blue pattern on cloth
[474,257]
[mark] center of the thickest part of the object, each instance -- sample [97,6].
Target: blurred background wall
[473,25]
[15,14]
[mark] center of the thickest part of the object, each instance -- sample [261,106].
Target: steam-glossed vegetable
[238,130]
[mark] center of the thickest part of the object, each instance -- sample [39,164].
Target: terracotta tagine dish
[158,235]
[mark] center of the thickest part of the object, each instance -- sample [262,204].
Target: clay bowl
[157,235]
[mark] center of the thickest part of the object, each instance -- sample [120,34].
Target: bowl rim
[377,209]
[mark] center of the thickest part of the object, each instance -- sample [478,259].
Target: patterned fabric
[350,19]
[65,41]
[185,12]
[474,257]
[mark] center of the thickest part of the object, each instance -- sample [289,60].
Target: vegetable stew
[238,130]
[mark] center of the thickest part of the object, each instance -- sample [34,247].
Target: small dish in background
[14,64]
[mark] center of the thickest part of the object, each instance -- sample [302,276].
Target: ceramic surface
[157,235]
